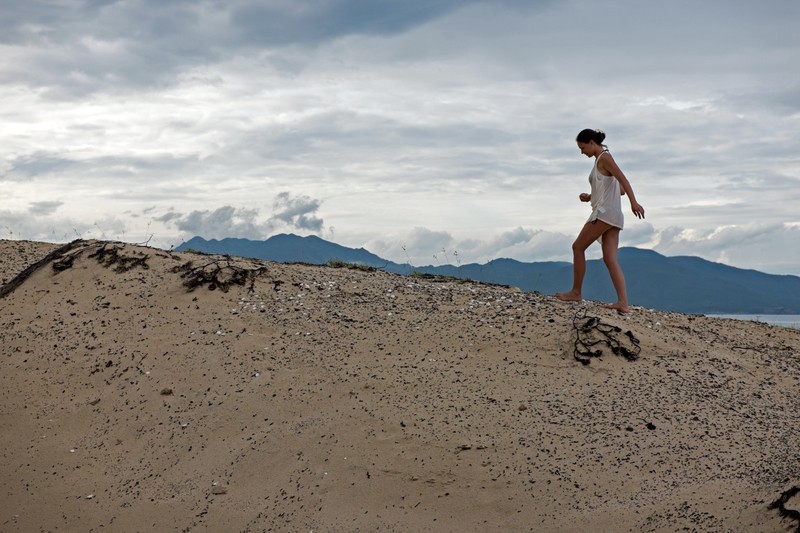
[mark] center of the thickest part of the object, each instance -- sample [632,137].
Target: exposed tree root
[110,256]
[54,256]
[218,274]
[780,505]
[590,331]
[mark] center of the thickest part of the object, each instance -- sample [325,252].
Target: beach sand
[323,399]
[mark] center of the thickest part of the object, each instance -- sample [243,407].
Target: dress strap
[596,159]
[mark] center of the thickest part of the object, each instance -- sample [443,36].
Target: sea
[784,321]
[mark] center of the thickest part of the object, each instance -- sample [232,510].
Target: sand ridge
[314,398]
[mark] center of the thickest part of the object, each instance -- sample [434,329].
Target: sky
[426,131]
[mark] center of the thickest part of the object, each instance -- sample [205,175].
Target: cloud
[639,234]
[751,245]
[784,101]
[151,167]
[304,21]
[296,212]
[745,246]
[39,223]
[44,208]
[522,244]
[226,221]
[83,47]
[423,246]
[27,166]
[676,240]
[290,213]
[422,242]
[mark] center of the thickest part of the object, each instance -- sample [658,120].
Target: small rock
[166,392]
[219,490]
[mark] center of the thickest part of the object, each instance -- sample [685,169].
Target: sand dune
[302,398]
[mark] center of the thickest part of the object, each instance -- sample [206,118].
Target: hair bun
[599,136]
[590,135]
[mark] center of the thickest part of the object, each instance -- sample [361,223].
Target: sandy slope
[16,256]
[313,398]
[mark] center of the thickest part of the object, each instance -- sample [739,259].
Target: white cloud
[768,247]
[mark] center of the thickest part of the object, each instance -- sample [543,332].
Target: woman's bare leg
[591,232]
[610,248]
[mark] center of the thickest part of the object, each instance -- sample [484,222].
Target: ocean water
[785,321]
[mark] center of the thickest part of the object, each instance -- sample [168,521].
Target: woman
[608,184]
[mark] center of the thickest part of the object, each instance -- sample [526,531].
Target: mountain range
[684,284]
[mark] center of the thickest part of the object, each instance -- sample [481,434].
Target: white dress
[606,198]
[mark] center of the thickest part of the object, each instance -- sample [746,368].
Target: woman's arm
[608,166]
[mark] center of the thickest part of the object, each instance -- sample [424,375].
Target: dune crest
[149,390]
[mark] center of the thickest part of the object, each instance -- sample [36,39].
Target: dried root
[110,256]
[590,332]
[217,274]
[780,505]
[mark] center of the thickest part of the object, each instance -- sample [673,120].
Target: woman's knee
[579,246]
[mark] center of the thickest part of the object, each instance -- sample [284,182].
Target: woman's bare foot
[570,296]
[621,308]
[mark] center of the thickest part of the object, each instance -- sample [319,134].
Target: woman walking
[608,184]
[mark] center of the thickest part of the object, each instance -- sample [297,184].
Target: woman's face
[587,149]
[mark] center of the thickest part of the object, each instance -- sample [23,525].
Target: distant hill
[285,248]
[683,284]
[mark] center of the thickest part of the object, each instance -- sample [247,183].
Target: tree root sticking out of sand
[217,275]
[109,257]
[591,331]
[56,255]
[780,505]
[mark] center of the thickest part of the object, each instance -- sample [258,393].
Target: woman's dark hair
[591,135]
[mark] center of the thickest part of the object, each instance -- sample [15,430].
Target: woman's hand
[585,197]
[637,209]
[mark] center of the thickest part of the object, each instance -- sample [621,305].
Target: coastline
[783,321]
